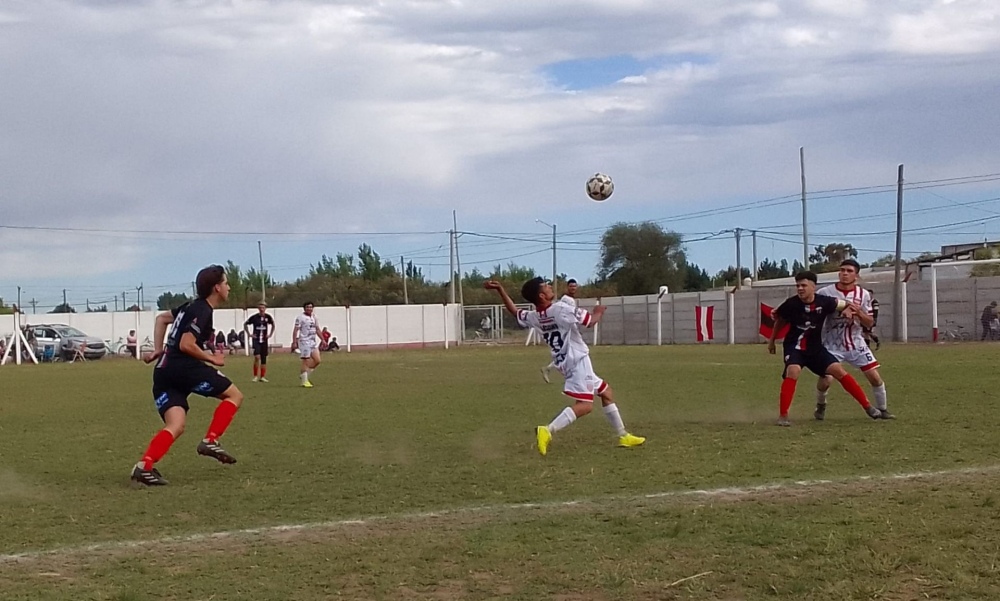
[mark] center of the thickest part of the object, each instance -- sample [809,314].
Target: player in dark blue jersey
[181,369]
[261,327]
[805,314]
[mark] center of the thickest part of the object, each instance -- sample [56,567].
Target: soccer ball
[600,187]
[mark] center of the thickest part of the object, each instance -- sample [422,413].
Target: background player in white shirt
[560,324]
[570,299]
[304,338]
[844,338]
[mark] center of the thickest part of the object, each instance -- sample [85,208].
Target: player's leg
[305,354]
[789,380]
[614,417]
[172,406]
[256,361]
[576,388]
[878,391]
[315,359]
[823,384]
[262,357]
[219,386]
[852,387]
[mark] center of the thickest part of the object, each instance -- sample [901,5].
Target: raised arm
[507,302]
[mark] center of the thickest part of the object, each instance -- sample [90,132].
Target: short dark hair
[531,288]
[307,303]
[570,281]
[208,278]
[805,275]
[851,263]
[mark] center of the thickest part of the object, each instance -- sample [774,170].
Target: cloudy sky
[141,140]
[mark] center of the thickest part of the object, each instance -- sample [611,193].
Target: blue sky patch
[587,73]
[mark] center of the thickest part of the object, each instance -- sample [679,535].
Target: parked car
[48,340]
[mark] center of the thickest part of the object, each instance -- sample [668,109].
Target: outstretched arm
[507,302]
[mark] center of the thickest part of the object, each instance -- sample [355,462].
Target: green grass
[392,434]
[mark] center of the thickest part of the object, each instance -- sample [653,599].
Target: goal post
[934,295]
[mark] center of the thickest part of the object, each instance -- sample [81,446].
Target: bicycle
[954,332]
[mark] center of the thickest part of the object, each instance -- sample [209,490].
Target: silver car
[50,341]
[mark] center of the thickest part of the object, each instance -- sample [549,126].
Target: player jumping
[560,324]
[570,299]
[803,346]
[304,339]
[262,326]
[181,370]
[845,340]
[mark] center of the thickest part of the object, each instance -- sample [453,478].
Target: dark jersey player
[262,328]
[181,370]
[803,347]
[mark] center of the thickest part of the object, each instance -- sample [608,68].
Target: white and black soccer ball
[600,187]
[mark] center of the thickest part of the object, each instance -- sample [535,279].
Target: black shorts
[261,349]
[816,361]
[173,384]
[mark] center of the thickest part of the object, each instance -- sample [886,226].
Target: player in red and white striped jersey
[560,324]
[844,337]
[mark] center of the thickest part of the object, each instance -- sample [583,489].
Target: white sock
[879,393]
[615,418]
[821,397]
[304,376]
[565,418]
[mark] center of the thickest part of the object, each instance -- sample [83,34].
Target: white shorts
[306,348]
[581,381]
[860,357]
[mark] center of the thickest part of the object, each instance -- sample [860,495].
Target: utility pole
[897,294]
[88,305]
[402,269]
[19,300]
[124,302]
[65,308]
[451,266]
[263,286]
[555,273]
[116,303]
[756,265]
[458,261]
[805,228]
[739,262]
[34,304]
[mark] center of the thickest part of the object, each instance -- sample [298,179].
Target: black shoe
[820,412]
[148,477]
[213,450]
[873,412]
[886,414]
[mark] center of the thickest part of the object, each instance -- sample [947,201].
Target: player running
[181,370]
[803,346]
[304,339]
[570,299]
[845,340]
[560,324]
[262,328]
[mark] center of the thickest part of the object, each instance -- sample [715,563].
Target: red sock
[787,394]
[255,370]
[220,420]
[158,447]
[852,388]
[263,370]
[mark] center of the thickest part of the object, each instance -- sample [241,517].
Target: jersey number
[554,340]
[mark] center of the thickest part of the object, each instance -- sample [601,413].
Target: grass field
[415,477]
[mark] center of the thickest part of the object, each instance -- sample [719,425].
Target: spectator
[243,339]
[333,345]
[233,340]
[989,315]
[131,341]
[220,341]
[486,326]
[324,340]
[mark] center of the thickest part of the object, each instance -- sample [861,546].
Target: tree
[985,269]
[169,300]
[829,257]
[797,267]
[97,309]
[371,267]
[771,270]
[696,278]
[639,258]
[884,261]
[342,266]
[727,277]
[4,309]
[63,308]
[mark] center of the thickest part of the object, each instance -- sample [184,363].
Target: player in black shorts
[803,347]
[181,370]
[262,328]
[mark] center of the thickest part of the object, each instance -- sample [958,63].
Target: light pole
[555,282]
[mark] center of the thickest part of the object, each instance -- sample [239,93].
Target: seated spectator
[131,341]
[324,340]
[220,341]
[243,339]
[233,340]
[333,345]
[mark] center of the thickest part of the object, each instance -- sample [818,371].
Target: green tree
[63,308]
[696,278]
[639,258]
[797,267]
[727,276]
[97,309]
[884,261]
[169,300]
[4,309]
[772,270]
[371,267]
[342,266]
[985,269]
[829,257]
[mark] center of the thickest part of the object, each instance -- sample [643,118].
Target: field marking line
[735,491]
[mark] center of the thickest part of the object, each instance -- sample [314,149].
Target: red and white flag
[703,320]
